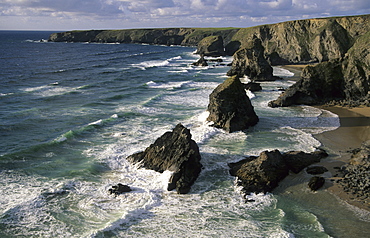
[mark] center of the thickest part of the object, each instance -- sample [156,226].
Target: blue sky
[60,15]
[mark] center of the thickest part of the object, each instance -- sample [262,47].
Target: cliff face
[167,36]
[345,80]
[301,41]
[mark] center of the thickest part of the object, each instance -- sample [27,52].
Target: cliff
[300,41]
[344,80]
[161,36]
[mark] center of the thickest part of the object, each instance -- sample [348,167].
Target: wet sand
[354,129]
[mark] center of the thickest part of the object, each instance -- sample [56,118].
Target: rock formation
[344,79]
[174,151]
[211,46]
[251,61]
[356,179]
[316,183]
[230,108]
[298,160]
[119,189]
[263,173]
[201,62]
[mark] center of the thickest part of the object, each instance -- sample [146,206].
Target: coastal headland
[339,48]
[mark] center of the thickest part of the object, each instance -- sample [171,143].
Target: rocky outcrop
[159,36]
[201,62]
[211,46]
[252,86]
[174,151]
[316,183]
[345,79]
[251,61]
[356,174]
[263,173]
[119,189]
[230,108]
[316,170]
[298,160]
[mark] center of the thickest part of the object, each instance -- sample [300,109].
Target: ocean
[70,113]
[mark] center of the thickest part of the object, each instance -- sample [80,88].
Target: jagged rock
[316,170]
[119,189]
[263,173]
[201,62]
[356,174]
[251,61]
[316,183]
[341,79]
[298,160]
[174,151]
[230,108]
[211,46]
[253,87]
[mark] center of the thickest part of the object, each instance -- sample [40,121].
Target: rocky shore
[338,47]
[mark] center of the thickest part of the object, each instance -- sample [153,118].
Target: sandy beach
[354,129]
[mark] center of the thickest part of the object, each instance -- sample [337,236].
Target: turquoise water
[70,113]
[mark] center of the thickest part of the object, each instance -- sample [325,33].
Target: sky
[63,15]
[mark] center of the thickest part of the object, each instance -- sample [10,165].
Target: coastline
[353,131]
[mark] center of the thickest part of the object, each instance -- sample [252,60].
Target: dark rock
[261,174]
[316,182]
[119,189]
[174,151]
[211,46]
[316,170]
[251,61]
[232,47]
[356,174]
[253,87]
[298,160]
[201,62]
[318,84]
[230,108]
[344,81]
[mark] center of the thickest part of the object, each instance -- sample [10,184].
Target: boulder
[251,61]
[316,183]
[316,170]
[298,160]
[253,87]
[119,189]
[230,108]
[201,62]
[211,46]
[260,174]
[263,173]
[174,151]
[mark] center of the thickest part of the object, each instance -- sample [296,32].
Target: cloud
[167,13]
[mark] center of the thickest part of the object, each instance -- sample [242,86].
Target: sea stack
[230,108]
[174,151]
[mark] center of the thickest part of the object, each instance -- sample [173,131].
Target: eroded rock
[174,151]
[230,108]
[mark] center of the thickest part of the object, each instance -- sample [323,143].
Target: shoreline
[354,129]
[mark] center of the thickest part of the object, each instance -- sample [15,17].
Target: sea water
[70,113]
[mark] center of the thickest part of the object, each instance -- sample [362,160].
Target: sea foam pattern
[73,114]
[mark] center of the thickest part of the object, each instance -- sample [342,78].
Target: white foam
[250,94]
[49,90]
[168,85]
[280,72]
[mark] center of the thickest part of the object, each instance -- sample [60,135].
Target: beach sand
[354,129]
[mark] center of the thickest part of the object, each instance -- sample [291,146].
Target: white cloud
[162,13]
